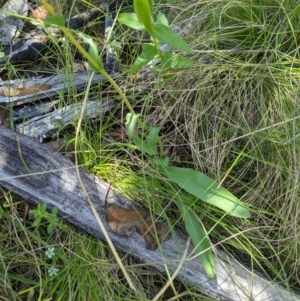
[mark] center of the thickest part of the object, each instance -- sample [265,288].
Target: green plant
[40,214]
[160,33]
[195,183]
[52,254]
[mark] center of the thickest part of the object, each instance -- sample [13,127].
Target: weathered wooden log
[13,92]
[46,125]
[37,174]
[41,124]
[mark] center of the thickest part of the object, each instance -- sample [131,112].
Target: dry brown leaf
[125,221]
[24,91]
[39,13]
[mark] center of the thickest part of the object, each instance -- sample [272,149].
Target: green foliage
[174,61]
[200,241]
[143,11]
[160,33]
[205,188]
[166,35]
[56,20]
[41,214]
[149,51]
[131,20]
[193,182]
[162,19]
[93,52]
[149,145]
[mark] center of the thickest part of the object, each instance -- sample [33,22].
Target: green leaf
[175,61]
[153,135]
[161,161]
[37,221]
[200,241]
[57,20]
[206,189]
[96,64]
[166,35]
[34,212]
[43,207]
[50,228]
[149,51]
[162,19]
[131,20]
[143,11]
[149,145]
[53,219]
[54,211]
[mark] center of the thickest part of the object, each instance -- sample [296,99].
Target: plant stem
[101,70]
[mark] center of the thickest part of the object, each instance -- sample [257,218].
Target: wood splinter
[125,221]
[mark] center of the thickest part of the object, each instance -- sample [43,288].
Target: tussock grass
[238,113]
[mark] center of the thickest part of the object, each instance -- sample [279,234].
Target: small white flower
[50,252]
[52,271]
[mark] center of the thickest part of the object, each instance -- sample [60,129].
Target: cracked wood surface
[37,174]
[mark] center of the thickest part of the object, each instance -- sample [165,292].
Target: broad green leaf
[162,19]
[200,241]
[149,145]
[96,65]
[57,20]
[131,20]
[166,35]
[206,189]
[153,135]
[175,61]
[143,11]
[148,53]
[161,161]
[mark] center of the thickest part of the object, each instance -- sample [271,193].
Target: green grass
[234,117]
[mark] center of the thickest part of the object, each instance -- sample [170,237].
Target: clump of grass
[238,115]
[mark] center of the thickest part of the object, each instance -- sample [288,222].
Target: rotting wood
[4,118]
[51,178]
[43,122]
[58,84]
[48,124]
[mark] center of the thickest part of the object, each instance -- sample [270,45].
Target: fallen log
[38,174]
[36,98]
[24,92]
